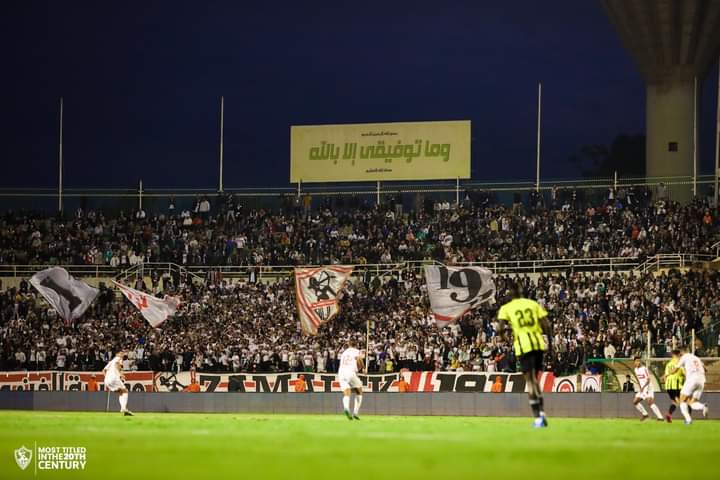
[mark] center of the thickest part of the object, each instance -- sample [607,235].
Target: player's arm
[120,371]
[501,324]
[545,325]
[668,372]
[678,367]
[542,316]
[361,364]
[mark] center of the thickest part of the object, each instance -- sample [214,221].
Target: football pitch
[179,446]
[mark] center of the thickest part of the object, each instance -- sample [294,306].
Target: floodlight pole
[60,160]
[222,141]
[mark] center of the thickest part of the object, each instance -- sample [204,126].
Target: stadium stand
[294,235]
[251,326]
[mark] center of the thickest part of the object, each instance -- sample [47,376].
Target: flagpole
[60,160]
[222,141]
[537,149]
[695,138]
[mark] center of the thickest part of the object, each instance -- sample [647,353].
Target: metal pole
[537,153]
[222,140]
[692,336]
[615,180]
[717,138]
[649,339]
[457,191]
[695,138]
[140,192]
[299,187]
[367,345]
[378,193]
[60,160]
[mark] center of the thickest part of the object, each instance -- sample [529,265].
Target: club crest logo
[23,457]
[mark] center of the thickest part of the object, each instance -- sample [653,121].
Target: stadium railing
[87,271]
[133,196]
[199,272]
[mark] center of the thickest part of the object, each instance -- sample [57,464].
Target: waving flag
[155,310]
[68,296]
[454,291]
[316,292]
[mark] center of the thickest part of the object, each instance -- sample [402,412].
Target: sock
[123,401]
[672,409]
[358,402]
[697,405]
[641,409]
[541,405]
[346,403]
[656,411]
[535,405]
[685,411]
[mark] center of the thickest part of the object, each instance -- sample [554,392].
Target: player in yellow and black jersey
[528,320]
[673,383]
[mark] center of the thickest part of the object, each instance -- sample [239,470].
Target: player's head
[515,290]
[637,361]
[676,353]
[351,343]
[120,354]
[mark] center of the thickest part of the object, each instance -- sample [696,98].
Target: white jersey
[643,375]
[112,381]
[348,362]
[112,368]
[693,365]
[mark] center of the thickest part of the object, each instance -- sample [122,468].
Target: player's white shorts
[693,386]
[113,383]
[351,381]
[645,393]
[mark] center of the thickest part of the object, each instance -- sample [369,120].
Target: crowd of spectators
[621,225]
[253,327]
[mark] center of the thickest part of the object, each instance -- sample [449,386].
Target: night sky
[142,81]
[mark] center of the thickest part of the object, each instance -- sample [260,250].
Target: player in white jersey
[115,381]
[646,392]
[351,360]
[694,384]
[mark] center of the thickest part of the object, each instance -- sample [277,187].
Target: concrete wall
[609,405]
[669,118]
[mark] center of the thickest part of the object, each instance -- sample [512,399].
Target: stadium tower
[673,42]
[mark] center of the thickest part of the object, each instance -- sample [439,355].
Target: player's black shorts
[674,394]
[532,361]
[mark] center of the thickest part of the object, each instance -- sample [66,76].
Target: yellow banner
[380,151]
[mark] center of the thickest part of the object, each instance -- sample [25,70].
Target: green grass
[199,446]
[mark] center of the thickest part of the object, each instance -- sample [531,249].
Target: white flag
[317,291]
[70,297]
[155,310]
[454,291]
